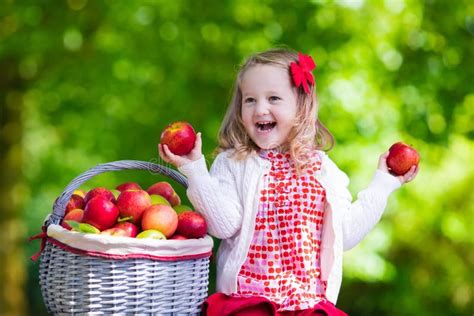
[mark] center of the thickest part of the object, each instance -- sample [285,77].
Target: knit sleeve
[214,195]
[360,216]
[367,210]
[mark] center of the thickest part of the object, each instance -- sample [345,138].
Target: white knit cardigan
[228,198]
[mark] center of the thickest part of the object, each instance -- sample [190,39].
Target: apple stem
[124,219]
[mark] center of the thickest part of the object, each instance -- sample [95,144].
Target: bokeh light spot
[210,32]
[144,16]
[77,5]
[72,39]
[28,68]
[169,31]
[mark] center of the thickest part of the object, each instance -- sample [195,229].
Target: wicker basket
[74,282]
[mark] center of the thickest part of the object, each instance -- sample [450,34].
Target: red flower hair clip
[301,71]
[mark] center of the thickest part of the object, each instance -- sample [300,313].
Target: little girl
[277,201]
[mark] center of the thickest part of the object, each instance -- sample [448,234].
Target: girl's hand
[407,177]
[177,160]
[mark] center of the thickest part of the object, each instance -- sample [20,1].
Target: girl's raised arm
[214,194]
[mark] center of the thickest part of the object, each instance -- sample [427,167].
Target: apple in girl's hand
[165,189]
[76,201]
[191,225]
[128,186]
[179,137]
[133,203]
[160,217]
[401,157]
[151,233]
[100,212]
[130,229]
[73,215]
[100,191]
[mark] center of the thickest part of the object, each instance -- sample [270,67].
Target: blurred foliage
[86,82]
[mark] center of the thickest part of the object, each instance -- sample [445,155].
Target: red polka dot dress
[283,262]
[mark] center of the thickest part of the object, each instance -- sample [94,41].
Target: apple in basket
[130,229]
[100,212]
[178,237]
[179,137]
[401,158]
[165,189]
[76,201]
[83,227]
[73,215]
[132,203]
[191,225]
[152,234]
[158,199]
[182,208]
[79,192]
[99,191]
[116,232]
[160,217]
[128,186]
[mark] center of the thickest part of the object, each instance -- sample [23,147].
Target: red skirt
[219,304]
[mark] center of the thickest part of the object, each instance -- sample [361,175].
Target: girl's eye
[274,98]
[249,100]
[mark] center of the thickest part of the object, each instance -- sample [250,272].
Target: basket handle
[59,206]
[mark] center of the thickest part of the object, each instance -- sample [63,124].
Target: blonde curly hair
[307,134]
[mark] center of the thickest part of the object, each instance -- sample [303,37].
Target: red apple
[76,201]
[396,146]
[165,189]
[133,203]
[178,237]
[401,157]
[129,186]
[191,225]
[174,199]
[160,217]
[130,229]
[99,191]
[73,215]
[180,137]
[100,212]
[117,232]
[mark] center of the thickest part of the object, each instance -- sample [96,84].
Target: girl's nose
[262,108]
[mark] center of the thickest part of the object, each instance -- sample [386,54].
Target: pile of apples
[130,211]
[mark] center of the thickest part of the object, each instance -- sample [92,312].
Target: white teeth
[265,126]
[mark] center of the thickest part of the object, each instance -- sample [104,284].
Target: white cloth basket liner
[123,246]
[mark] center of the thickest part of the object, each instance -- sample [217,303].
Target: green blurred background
[87,82]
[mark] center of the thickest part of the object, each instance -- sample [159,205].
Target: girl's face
[268,105]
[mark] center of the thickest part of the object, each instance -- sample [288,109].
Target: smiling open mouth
[265,126]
